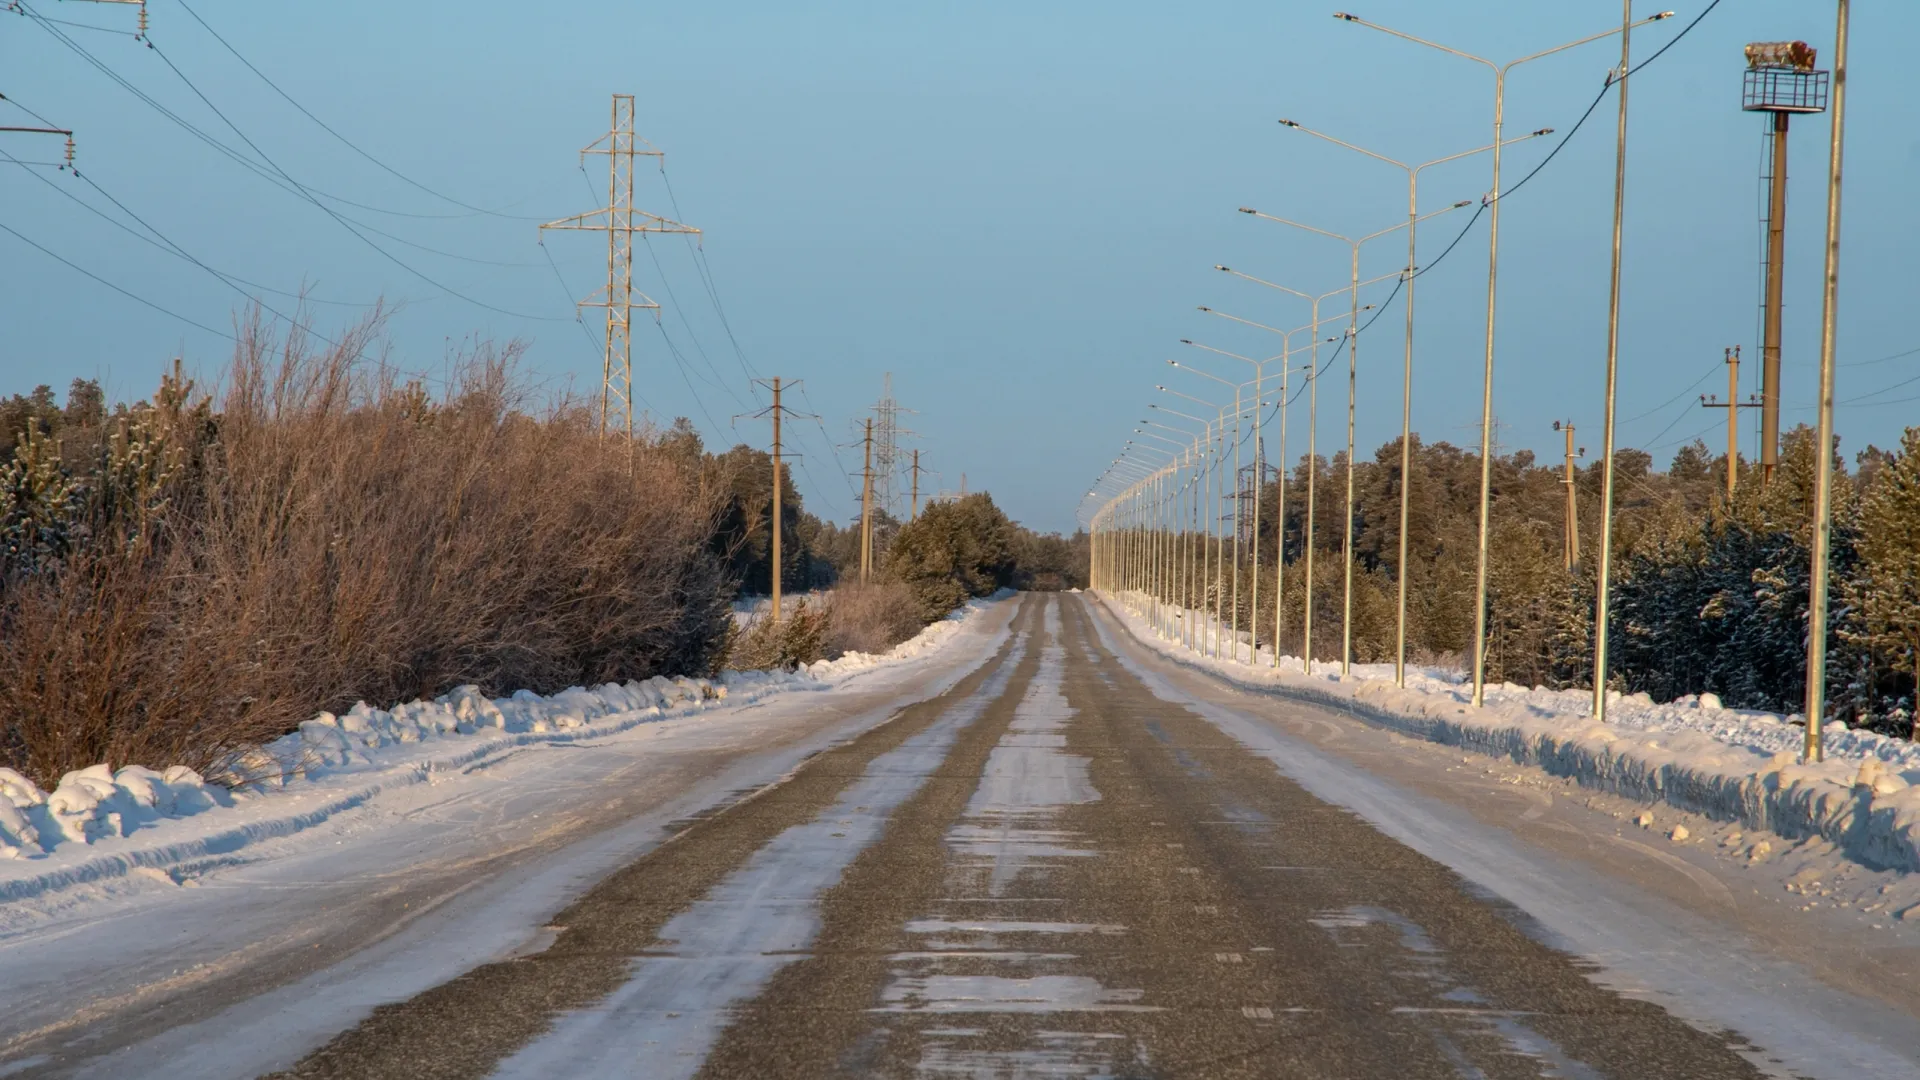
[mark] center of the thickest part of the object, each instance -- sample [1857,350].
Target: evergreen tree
[1885,589]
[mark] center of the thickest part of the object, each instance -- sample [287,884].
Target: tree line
[1710,594]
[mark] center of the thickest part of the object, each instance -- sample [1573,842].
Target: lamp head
[1217,266]
[1462,202]
[1185,341]
[1204,307]
[1288,123]
[1248,210]
[1344,16]
[1544,131]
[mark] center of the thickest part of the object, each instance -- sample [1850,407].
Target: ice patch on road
[1009,926]
[1029,777]
[1008,837]
[725,948]
[999,994]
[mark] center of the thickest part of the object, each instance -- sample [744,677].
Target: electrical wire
[348,143]
[81,25]
[1663,405]
[1882,390]
[706,275]
[190,128]
[1610,84]
[1882,360]
[28,111]
[680,362]
[283,180]
[329,211]
[103,281]
[647,242]
[160,241]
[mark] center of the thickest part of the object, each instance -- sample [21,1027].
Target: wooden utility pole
[778,520]
[866,508]
[1570,553]
[1733,405]
[776,410]
[913,511]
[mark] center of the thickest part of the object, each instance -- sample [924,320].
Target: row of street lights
[1129,488]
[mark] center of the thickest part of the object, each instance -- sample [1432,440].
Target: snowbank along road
[1077,858]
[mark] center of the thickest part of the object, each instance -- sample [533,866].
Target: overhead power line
[348,143]
[103,281]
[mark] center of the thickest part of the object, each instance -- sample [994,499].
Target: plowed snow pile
[1730,764]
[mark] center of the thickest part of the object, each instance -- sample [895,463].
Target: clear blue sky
[1014,208]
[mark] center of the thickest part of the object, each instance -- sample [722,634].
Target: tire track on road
[469,1025]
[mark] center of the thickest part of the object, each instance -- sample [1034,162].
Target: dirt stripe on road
[467,1026]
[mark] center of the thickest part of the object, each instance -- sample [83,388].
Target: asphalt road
[1045,871]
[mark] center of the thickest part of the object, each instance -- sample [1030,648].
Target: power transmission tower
[866,508]
[1570,553]
[619,220]
[1733,405]
[886,446]
[776,411]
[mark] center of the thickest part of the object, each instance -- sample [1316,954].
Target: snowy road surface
[1070,857]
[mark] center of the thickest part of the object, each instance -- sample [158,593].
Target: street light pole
[1604,565]
[1493,277]
[1406,379]
[1219,584]
[1823,441]
[1353,353]
[1259,372]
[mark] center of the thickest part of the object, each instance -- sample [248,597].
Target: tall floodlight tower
[1780,79]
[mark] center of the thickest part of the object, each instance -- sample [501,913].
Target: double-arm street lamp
[1353,339]
[1233,622]
[1199,507]
[1313,428]
[1493,276]
[1406,378]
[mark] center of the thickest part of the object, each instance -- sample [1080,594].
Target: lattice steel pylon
[886,447]
[619,220]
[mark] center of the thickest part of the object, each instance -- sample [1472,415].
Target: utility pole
[1733,405]
[779,568]
[776,410]
[619,220]
[1823,440]
[1570,554]
[866,509]
[1780,79]
[914,510]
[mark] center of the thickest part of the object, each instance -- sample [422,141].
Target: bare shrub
[872,618]
[348,538]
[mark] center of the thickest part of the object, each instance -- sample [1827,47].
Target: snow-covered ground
[1728,764]
[222,942]
[100,823]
